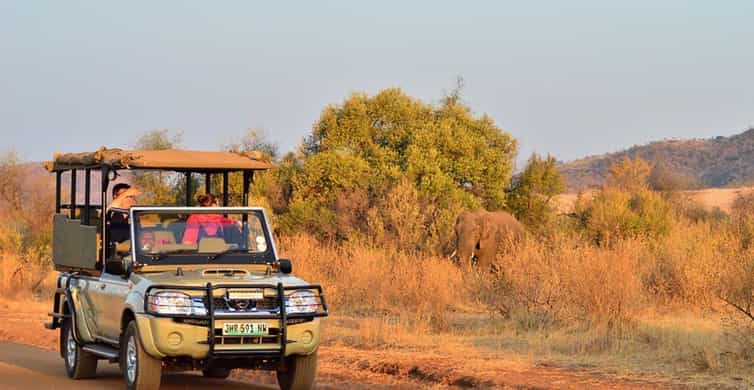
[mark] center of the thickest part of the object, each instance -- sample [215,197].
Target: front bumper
[165,337]
[201,337]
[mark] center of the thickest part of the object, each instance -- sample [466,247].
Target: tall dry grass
[614,282]
[365,280]
[658,299]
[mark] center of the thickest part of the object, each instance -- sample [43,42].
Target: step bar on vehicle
[103,351]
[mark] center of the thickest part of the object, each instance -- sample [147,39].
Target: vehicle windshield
[201,235]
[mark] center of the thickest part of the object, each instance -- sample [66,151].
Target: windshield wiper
[161,255]
[218,255]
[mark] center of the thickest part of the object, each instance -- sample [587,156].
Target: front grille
[245,305]
[272,338]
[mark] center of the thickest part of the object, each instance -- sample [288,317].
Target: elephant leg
[486,258]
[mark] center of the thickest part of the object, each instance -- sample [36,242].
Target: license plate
[246,294]
[245,329]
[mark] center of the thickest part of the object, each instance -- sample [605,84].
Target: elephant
[482,234]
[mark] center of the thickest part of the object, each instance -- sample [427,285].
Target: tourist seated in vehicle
[119,228]
[199,226]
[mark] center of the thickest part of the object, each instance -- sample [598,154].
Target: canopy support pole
[58,184]
[225,189]
[188,189]
[207,183]
[247,177]
[104,184]
[87,188]
[73,193]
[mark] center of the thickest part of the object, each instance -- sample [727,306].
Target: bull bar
[211,316]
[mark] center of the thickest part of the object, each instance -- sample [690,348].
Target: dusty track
[23,366]
[27,367]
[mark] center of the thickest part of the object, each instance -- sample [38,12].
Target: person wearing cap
[119,189]
[117,213]
[124,196]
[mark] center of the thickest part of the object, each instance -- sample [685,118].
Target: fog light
[175,338]
[307,337]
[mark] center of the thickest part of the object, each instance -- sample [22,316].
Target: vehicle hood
[214,275]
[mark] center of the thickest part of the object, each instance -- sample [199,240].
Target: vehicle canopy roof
[169,159]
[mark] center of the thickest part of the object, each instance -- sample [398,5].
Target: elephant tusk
[452,255]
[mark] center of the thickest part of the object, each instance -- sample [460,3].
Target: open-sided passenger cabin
[81,232]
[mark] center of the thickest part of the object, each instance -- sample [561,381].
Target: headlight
[177,303]
[300,302]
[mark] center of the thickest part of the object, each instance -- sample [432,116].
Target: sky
[566,78]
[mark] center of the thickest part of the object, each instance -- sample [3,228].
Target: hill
[714,162]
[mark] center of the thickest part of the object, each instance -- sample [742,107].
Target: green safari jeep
[176,288]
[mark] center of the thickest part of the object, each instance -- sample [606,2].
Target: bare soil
[342,367]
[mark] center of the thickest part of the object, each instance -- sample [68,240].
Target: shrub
[612,215]
[562,282]
[630,174]
[531,194]
[363,280]
[369,148]
[742,213]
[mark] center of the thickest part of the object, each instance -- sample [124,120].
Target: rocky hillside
[714,162]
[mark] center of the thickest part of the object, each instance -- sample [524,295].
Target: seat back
[212,244]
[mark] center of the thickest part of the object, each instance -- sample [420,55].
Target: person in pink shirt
[205,225]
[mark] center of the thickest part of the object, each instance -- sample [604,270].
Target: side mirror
[285,266]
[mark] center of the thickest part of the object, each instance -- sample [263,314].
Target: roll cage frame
[107,171]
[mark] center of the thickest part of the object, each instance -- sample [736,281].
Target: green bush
[532,192]
[393,151]
[613,215]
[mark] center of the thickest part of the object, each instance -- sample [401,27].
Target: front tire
[79,364]
[140,370]
[301,370]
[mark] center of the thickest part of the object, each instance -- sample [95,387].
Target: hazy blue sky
[570,78]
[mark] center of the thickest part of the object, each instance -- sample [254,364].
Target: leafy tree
[159,139]
[368,144]
[630,174]
[663,178]
[265,191]
[25,209]
[11,177]
[532,191]
[158,187]
[256,140]
[613,215]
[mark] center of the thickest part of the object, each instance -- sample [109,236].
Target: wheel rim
[70,349]
[131,359]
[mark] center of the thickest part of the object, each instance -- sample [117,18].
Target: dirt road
[23,366]
[26,367]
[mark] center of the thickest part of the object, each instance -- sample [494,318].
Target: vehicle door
[86,300]
[109,294]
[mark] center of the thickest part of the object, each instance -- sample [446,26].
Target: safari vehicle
[192,288]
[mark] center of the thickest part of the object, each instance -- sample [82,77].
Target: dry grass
[20,276]
[709,198]
[379,281]
[634,309]
[637,307]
